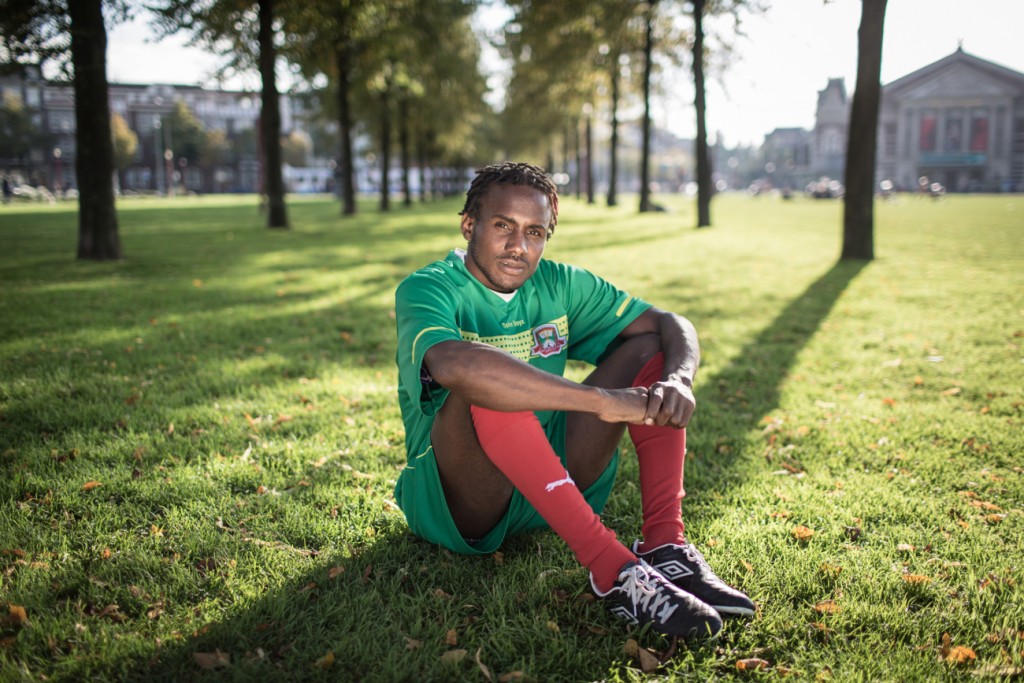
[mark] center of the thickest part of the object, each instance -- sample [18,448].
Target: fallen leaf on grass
[952,391]
[997,671]
[451,638]
[915,579]
[830,570]
[801,533]
[553,627]
[413,644]
[90,485]
[751,664]
[905,548]
[511,676]
[335,572]
[985,505]
[18,614]
[648,661]
[324,662]
[211,660]
[453,656]
[483,668]
[960,655]
[827,607]
[750,567]
[994,519]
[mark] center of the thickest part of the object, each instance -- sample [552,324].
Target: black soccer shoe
[643,596]
[684,566]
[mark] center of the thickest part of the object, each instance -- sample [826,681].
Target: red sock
[660,454]
[517,445]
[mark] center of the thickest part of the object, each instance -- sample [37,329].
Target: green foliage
[231,390]
[126,142]
[17,132]
[188,137]
[295,148]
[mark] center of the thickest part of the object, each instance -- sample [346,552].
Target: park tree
[242,32]
[126,142]
[702,12]
[559,53]
[216,148]
[861,149]
[645,143]
[416,60]
[17,132]
[73,34]
[295,149]
[187,134]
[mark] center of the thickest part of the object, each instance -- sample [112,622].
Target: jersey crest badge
[547,341]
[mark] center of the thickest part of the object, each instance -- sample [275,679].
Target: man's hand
[670,403]
[624,405]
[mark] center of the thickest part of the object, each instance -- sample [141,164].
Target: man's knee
[618,368]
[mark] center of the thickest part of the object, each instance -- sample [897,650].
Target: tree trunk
[704,186]
[613,153]
[589,142]
[861,145]
[347,167]
[421,164]
[270,120]
[385,149]
[403,143]
[98,237]
[645,156]
[578,175]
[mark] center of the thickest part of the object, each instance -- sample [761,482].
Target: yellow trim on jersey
[520,344]
[622,308]
[423,332]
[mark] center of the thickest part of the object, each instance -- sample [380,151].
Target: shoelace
[694,556]
[642,589]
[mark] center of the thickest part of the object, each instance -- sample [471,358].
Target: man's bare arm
[490,378]
[671,400]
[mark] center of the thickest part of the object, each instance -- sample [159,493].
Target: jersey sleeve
[425,315]
[598,312]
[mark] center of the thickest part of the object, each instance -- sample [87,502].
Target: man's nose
[516,242]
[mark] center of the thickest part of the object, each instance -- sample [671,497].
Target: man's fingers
[655,398]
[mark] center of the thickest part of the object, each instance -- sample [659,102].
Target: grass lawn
[199,444]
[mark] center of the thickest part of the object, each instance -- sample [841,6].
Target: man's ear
[467,226]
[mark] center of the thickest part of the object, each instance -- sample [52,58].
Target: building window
[889,140]
[953,140]
[979,130]
[929,131]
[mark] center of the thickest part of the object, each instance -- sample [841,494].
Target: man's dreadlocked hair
[511,173]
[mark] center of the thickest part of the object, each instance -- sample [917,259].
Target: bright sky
[787,57]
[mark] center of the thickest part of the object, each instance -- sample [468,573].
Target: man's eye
[535,233]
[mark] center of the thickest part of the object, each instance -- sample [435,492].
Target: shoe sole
[734,611]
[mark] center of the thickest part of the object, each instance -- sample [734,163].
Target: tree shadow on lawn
[412,593]
[734,400]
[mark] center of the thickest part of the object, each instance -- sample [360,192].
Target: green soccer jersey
[560,313]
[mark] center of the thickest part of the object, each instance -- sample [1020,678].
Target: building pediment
[961,80]
[959,75]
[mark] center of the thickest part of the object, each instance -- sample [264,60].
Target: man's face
[507,241]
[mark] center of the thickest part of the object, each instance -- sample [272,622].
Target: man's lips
[512,265]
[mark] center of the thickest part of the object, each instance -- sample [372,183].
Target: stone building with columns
[958,121]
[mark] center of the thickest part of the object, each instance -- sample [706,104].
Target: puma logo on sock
[555,484]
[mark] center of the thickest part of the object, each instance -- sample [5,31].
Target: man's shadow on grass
[414,591]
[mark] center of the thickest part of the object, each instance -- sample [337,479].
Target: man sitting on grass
[498,441]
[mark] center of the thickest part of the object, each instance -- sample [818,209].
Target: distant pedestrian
[8,190]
